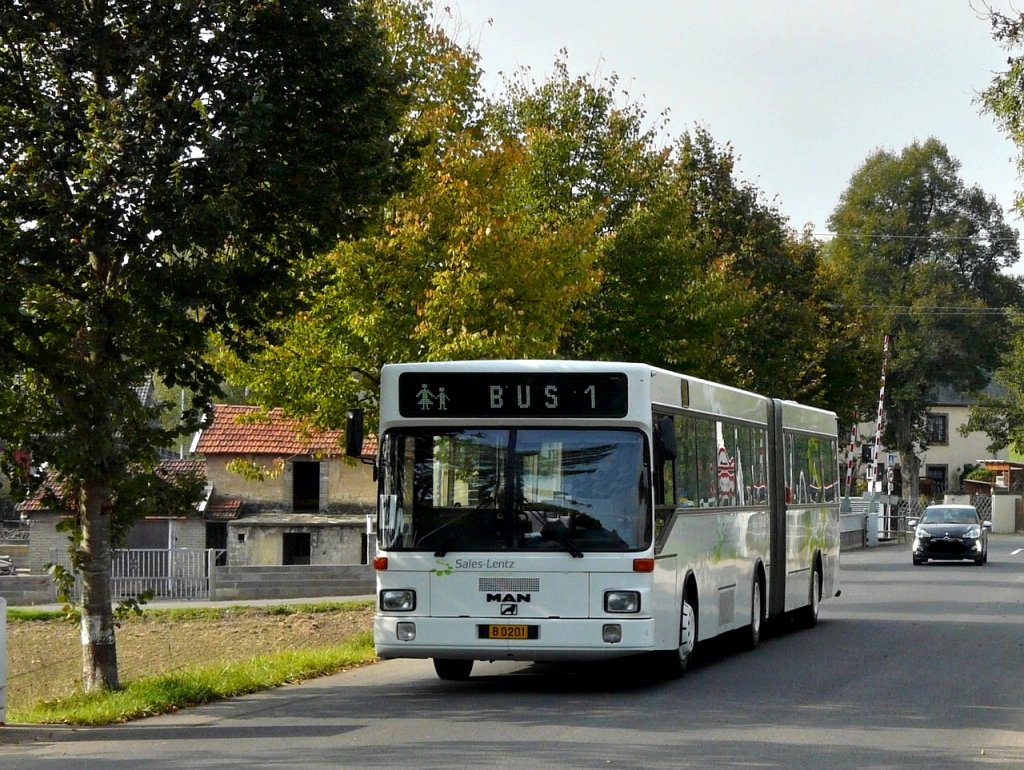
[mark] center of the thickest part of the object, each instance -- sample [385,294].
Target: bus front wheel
[449,668]
[675,662]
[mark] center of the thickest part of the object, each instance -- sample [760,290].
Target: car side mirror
[912,523]
[986,524]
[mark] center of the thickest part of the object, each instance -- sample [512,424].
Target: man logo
[508,598]
[510,609]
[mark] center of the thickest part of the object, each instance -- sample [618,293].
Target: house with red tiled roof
[277,496]
[282,494]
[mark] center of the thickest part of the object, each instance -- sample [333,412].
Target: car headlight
[622,601]
[398,600]
[922,534]
[973,532]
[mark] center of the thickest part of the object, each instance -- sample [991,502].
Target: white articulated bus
[557,510]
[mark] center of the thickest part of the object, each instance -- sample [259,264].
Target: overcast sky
[804,90]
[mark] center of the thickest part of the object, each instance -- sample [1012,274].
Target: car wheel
[448,668]
[917,560]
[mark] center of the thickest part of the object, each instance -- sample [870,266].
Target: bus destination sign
[505,394]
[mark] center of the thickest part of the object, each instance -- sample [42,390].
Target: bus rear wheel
[808,616]
[752,633]
[452,669]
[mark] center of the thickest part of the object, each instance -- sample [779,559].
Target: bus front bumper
[547,639]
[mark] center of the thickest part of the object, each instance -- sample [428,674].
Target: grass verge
[149,696]
[170,659]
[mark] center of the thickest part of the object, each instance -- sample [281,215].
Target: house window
[306,486]
[296,548]
[937,426]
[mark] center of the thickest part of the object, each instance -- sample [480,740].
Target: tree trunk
[911,467]
[910,464]
[99,648]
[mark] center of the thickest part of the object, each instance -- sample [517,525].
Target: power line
[939,310]
[932,237]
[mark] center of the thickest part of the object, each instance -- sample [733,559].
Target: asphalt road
[912,667]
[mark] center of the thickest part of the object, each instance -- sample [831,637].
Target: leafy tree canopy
[923,253]
[163,169]
[1002,416]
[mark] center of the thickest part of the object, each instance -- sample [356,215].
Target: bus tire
[673,663]
[808,615]
[453,669]
[752,634]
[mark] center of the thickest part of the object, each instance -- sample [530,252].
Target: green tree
[1002,416]
[473,260]
[779,334]
[465,266]
[703,276]
[667,291]
[165,167]
[923,253]
[1004,97]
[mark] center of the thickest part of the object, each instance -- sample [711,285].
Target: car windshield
[485,489]
[950,516]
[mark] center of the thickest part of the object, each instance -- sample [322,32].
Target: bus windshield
[488,489]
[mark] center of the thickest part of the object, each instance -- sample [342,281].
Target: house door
[296,548]
[217,539]
[938,476]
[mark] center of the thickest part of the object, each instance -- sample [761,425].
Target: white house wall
[960,450]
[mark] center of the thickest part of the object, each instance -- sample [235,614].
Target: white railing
[3,660]
[179,573]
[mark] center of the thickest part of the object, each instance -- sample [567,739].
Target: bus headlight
[398,600]
[622,601]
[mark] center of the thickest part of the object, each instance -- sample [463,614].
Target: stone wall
[20,590]
[258,540]
[43,540]
[340,481]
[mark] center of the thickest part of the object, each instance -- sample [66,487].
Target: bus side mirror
[354,433]
[666,438]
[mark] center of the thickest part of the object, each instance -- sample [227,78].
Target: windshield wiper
[557,531]
[552,529]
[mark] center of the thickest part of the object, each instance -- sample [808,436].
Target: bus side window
[686,457]
[664,461]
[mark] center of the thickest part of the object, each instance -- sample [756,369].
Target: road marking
[1014,553]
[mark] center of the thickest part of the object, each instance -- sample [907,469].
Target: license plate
[507,632]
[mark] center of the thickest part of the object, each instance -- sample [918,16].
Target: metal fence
[180,573]
[892,519]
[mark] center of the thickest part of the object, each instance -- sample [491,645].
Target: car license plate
[495,631]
